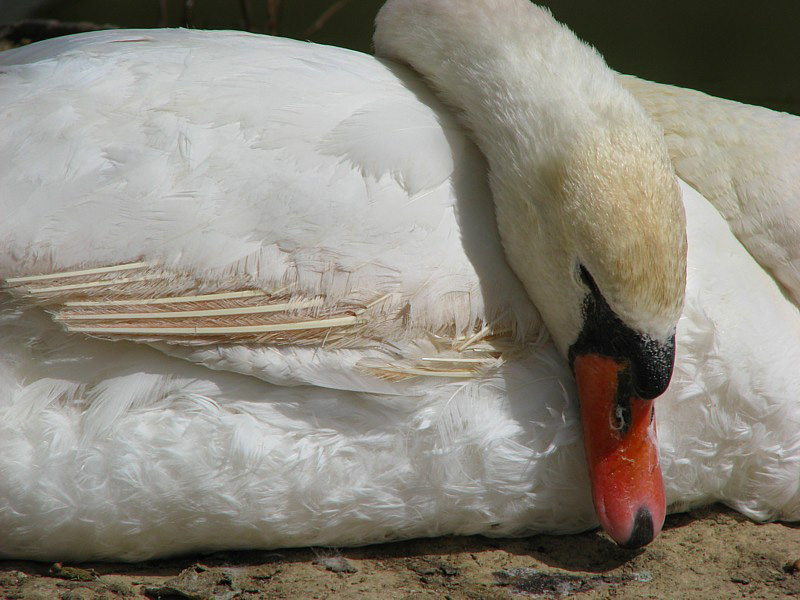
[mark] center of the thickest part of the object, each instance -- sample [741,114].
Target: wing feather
[124,302]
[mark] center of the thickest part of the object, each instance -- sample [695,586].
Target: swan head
[604,260]
[588,210]
[622,237]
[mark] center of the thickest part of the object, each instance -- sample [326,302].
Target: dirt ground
[711,553]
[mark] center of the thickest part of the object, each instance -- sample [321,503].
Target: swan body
[421,394]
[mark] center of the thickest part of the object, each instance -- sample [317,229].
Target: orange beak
[619,433]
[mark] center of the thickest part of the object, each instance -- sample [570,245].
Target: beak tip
[627,487]
[643,532]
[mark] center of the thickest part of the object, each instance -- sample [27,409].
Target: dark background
[735,49]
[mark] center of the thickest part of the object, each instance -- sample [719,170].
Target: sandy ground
[711,553]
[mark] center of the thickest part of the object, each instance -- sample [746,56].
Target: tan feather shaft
[245,310]
[297,326]
[81,273]
[90,284]
[169,300]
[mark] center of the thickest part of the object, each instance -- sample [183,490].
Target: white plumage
[338,184]
[743,159]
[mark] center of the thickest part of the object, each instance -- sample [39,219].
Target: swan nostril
[643,530]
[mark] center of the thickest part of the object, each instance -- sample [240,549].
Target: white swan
[392,378]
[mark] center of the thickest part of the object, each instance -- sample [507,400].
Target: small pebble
[792,567]
[448,570]
[643,576]
[337,564]
[72,573]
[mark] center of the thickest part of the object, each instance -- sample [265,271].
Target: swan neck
[521,82]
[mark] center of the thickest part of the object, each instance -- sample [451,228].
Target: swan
[289,313]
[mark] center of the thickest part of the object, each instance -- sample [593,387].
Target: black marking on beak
[643,530]
[651,361]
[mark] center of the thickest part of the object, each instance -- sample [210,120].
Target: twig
[163,9]
[273,18]
[188,13]
[325,17]
[244,7]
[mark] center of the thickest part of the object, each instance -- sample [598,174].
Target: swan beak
[619,433]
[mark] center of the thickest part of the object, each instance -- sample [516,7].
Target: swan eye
[588,280]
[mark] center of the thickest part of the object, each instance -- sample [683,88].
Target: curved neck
[578,171]
[521,82]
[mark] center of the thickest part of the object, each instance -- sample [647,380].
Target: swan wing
[318,210]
